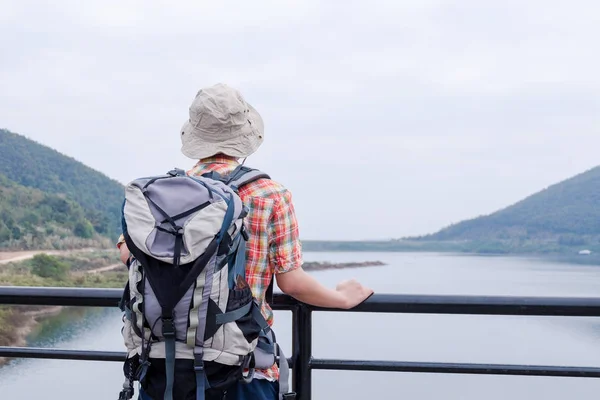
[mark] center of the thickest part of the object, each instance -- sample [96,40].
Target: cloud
[450,109]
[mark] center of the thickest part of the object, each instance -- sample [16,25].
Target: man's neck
[219,158]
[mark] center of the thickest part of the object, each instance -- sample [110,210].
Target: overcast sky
[384,118]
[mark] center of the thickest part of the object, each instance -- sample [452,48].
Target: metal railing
[302,361]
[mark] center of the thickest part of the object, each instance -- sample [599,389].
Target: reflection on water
[79,320]
[444,338]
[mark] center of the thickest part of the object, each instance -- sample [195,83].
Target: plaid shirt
[274,245]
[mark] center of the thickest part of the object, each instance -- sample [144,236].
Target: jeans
[258,389]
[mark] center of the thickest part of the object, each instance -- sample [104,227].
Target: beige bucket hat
[221,121]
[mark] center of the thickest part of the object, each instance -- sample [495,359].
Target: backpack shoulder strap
[239,177]
[269,293]
[243,175]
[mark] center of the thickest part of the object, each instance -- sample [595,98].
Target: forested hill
[564,214]
[50,194]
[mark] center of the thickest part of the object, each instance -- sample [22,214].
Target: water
[443,338]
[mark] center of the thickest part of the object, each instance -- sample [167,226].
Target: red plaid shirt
[274,245]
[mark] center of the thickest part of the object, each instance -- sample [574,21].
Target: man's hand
[353,292]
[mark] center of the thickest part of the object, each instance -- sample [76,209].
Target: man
[223,128]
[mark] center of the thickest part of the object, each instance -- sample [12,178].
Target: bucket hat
[221,121]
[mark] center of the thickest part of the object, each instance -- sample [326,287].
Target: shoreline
[32,317]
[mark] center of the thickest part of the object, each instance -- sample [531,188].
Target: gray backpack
[187,301]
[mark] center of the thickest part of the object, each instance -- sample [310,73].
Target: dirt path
[11,256]
[7,257]
[105,269]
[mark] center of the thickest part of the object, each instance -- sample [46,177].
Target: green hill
[48,195]
[32,219]
[562,216]
[561,220]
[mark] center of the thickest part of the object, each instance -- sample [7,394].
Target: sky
[384,118]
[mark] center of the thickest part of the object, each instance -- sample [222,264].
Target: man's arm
[305,288]
[285,255]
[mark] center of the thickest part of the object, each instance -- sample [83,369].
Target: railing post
[302,350]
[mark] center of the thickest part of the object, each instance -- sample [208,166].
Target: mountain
[46,193]
[564,215]
[560,220]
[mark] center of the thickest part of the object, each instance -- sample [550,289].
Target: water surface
[414,337]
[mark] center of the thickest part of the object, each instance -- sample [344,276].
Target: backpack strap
[243,175]
[269,294]
[284,375]
[238,178]
[169,335]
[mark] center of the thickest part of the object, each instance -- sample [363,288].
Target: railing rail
[302,361]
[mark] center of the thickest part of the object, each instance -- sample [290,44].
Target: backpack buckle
[198,362]
[126,394]
[199,367]
[168,327]
[244,233]
[176,172]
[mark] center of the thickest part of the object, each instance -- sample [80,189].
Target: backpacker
[187,303]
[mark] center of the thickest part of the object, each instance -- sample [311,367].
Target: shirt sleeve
[285,248]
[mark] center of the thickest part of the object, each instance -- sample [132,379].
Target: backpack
[187,301]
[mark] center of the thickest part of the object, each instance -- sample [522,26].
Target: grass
[10,319]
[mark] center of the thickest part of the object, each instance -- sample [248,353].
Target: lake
[442,338]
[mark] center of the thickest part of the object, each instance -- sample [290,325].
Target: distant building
[585,252]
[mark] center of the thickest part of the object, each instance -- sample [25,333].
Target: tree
[5,233]
[84,229]
[47,266]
